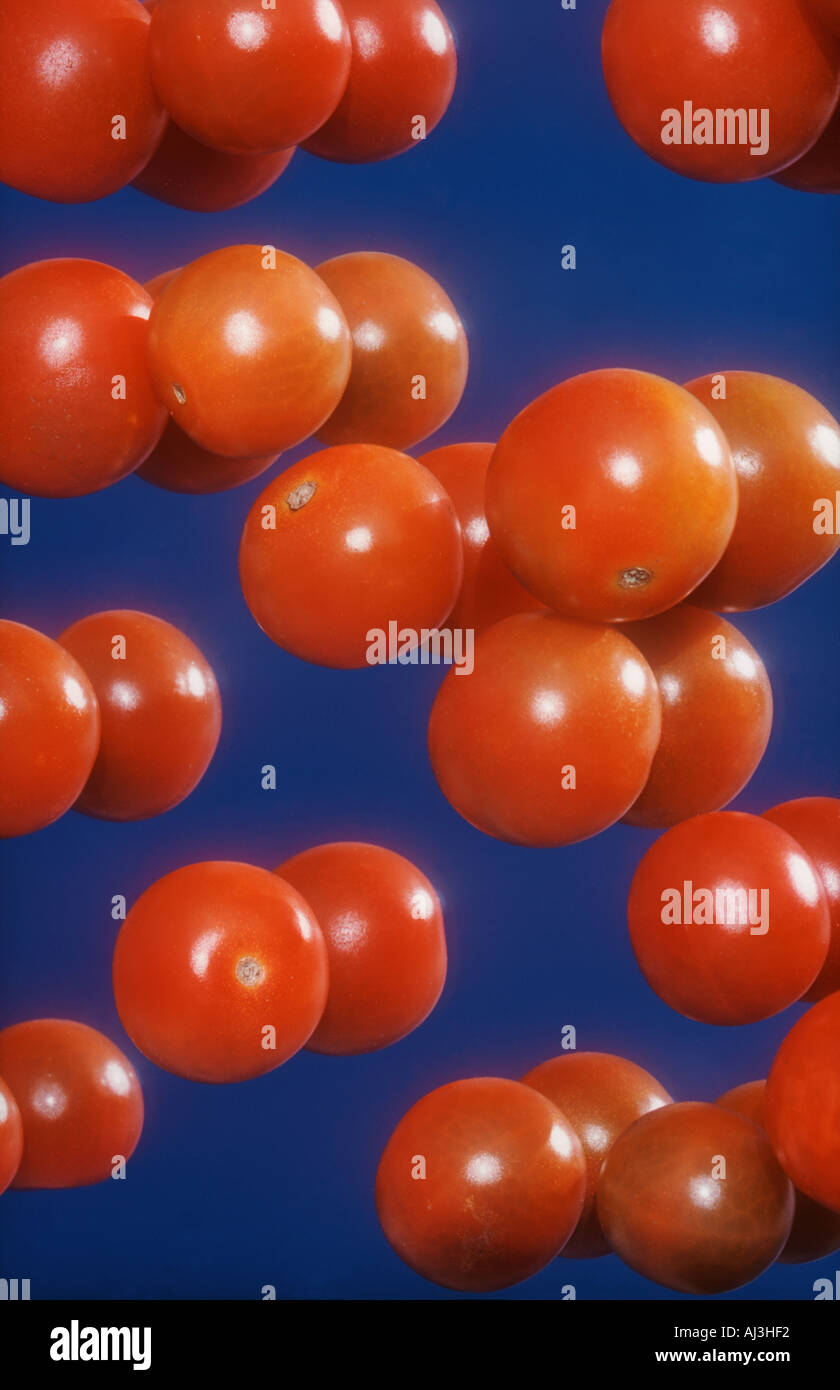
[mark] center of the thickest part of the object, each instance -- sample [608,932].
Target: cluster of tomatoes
[201,103]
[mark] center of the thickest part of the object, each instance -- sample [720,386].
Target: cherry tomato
[786,448]
[11,1136]
[402,76]
[240,76]
[79,1100]
[383,928]
[612,495]
[410,352]
[249,350]
[480,1185]
[76,402]
[161,713]
[220,972]
[728,919]
[676,69]
[802,1103]
[49,729]
[600,1096]
[551,738]
[344,543]
[818,171]
[717,712]
[814,823]
[191,175]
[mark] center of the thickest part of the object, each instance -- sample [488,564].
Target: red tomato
[675,69]
[728,919]
[814,823]
[402,76]
[383,927]
[717,712]
[220,972]
[786,448]
[161,713]
[49,729]
[191,175]
[77,409]
[612,495]
[802,1103]
[552,736]
[249,350]
[826,10]
[245,77]
[79,1100]
[600,1096]
[410,353]
[11,1136]
[480,1185]
[818,171]
[344,543]
[692,1197]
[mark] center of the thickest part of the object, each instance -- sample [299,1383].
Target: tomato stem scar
[635,578]
[300,496]
[179,393]
[249,971]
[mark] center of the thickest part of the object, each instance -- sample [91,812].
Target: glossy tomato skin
[49,729]
[76,401]
[383,927]
[786,449]
[818,171]
[612,495]
[802,1103]
[601,1096]
[717,713]
[720,55]
[249,350]
[404,328]
[11,1136]
[160,707]
[190,175]
[551,738]
[345,542]
[814,822]
[79,1099]
[209,960]
[241,77]
[502,1190]
[761,951]
[672,1212]
[403,65]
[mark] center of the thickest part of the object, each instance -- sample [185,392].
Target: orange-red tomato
[383,927]
[410,354]
[249,350]
[220,972]
[612,495]
[190,175]
[818,171]
[551,738]
[344,543]
[481,1184]
[717,712]
[814,822]
[49,729]
[802,1103]
[11,1136]
[79,1099]
[786,449]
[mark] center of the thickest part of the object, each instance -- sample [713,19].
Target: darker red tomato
[802,1103]
[220,972]
[551,738]
[818,171]
[79,1100]
[11,1136]
[828,11]
[190,175]
[612,495]
[814,822]
[728,919]
[480,1185]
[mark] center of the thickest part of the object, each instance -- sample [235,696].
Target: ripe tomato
[717,712]
[49,729]
[828,11]
[480,1185]
[410,352]
[728,919]
[402,76]
[612,495]
[692,1197]
[552,736]
[814,823]
[818,171]
[383,927]
[344,543]
[190,175]
[786,448]
[77,407]
[220,972]
[249,350]
[161,713]
[600,1096]
[79,1100]
[11,1136]
[802,1103]
[668,61]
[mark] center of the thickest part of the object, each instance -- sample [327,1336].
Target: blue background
[271,1182]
